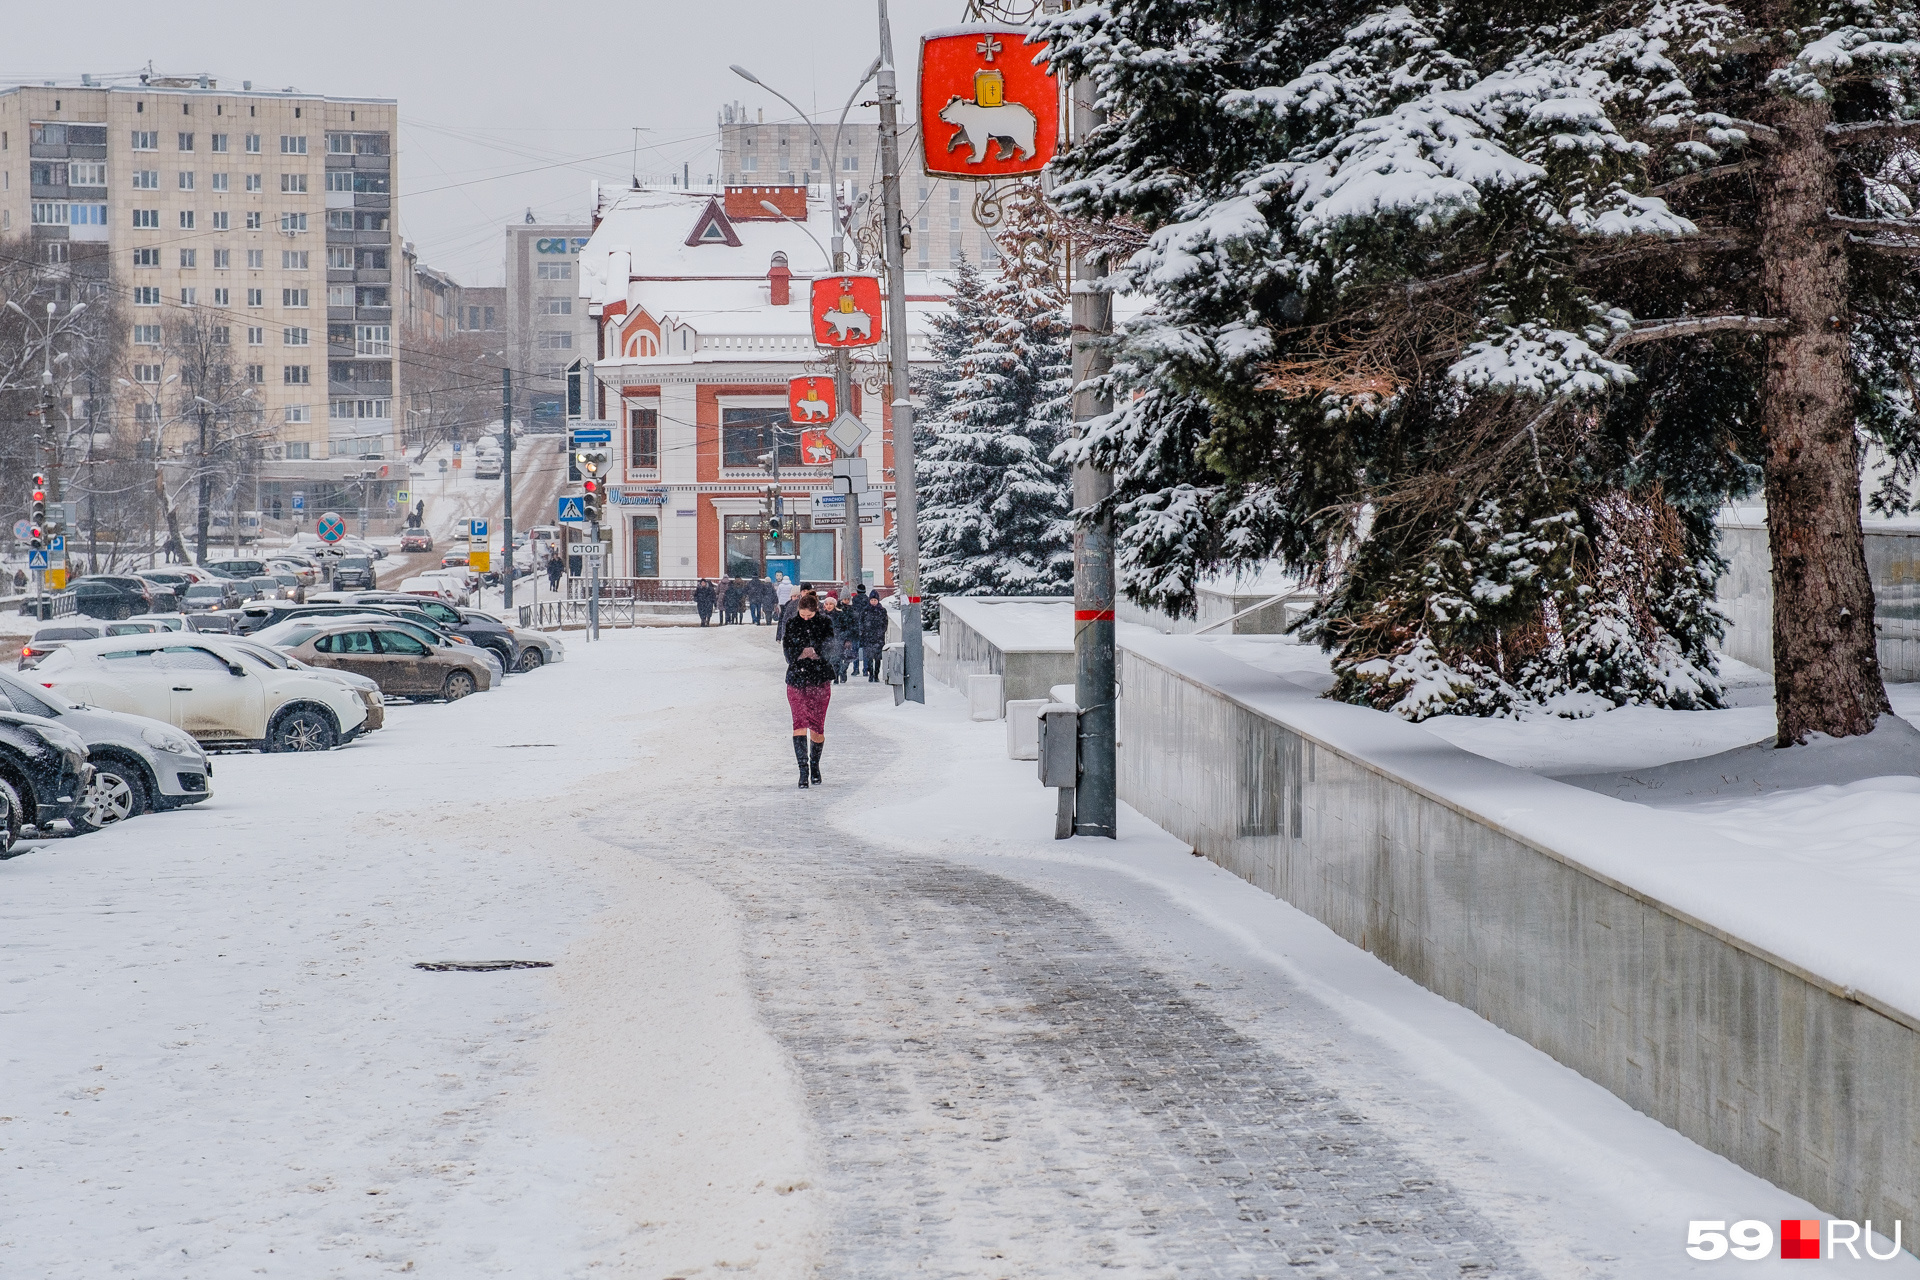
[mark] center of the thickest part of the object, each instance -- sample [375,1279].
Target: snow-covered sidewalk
[876,1029]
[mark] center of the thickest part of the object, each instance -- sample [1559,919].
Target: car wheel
[459,685]
[116,793]
[12,820]
[302,729]
[532,659]
[123,612]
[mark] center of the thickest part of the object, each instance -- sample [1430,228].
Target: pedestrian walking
[846,638]
[782,590]
[703,601]
[788,612]
[873,635]
[769,599]
[555,567]
[809,683]
[730,603]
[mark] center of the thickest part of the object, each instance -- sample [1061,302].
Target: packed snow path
[997,1083]
[884,1028]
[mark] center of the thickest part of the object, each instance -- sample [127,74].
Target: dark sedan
[112,596]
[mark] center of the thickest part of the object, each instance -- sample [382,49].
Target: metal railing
[55,604]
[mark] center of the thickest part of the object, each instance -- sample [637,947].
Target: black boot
[800,755]
[816,762]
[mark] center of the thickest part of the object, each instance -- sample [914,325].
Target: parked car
[304,575]
[366,690]
[48,638]
[201,684]
[43,774]
[210,597]
[536,649]
[268,587]
[478,627]
[416,540]
[455,559]
[445,589]
[112,596]
[351,573]
[139,764]
[238,568]
[398,660]
[296,628]
[151,621]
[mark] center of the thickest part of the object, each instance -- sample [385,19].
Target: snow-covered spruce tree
[995,508]
[1426,276]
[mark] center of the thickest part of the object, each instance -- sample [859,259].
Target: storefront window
[646,546]
[745,558]
[747,435]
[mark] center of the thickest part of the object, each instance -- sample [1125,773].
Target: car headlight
[163,740]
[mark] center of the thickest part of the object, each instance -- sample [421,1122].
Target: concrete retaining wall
[991,635]
[1784,1073]
[1745,593]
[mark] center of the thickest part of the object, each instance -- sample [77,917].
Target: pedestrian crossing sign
[36,559]
[573,510]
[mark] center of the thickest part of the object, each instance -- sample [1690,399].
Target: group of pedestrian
[739,599]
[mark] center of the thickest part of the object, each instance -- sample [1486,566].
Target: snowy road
[882,1029]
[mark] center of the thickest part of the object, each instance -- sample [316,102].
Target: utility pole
[506,477]
[843,398]
[93,515]
[906,529]
[1096,799]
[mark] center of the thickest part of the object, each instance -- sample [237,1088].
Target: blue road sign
[592,435]
[57,546]
[299,502]
[477,529]
[332,528]
[573,511]
[36,559]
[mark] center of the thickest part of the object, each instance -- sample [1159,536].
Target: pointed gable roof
[713,227]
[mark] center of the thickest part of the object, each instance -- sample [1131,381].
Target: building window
[340,220]
[643,440]
[294,337]
[294,259]
[340,258]
[189,297]
[189,258]
[293,146]
[256,259]
[253,143]
[146,412]
[220,222]
[87,175]
[222,336]
[186,179]
[253,182]
[148,373]
[370,259]
[553,271]
[299,450]
[254,221]
[87,215]
[217,142]
[146,179]
[146,140]
[256,298]
[146,257]
[369,220]
[293,184]
[556,340]
[339,179]
[293,222]
[299,413]
[373,340]
[559,306]
[146,335]
[186,142]
[186,219]
[349,409]
[222,259]
[850,163]
[369,297]
[339,295]
[747,436]
[220,181]
[50,214]
[749,163]
[256,335]
[146,295]
[370,184]
[256,373]
[339,144]
[293,297]
[296,375]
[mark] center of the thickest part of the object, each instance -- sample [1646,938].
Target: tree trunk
[1826,669]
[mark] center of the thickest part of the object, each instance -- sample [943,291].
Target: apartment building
[546,323]
[270,214]
[941,214]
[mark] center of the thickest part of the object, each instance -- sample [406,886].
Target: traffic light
[39,518]
[593,469]
[775,524]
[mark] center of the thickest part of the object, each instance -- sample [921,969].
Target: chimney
[779,281]
[744,204]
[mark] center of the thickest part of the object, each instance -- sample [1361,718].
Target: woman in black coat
[703,601]
[809,683]
[730,603]
[846,638]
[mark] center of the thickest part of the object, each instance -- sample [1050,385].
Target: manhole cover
[480,966]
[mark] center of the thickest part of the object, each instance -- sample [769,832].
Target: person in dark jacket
[703,601]
[730,603]
[769,600]
[845,637]
[788,612]
[750,593]
[555,567]
[873,635]
[809,683]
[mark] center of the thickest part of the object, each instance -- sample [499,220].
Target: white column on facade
[679,472]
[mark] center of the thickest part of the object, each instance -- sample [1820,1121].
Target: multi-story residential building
[941,213]
[269,215]
[547,325]
[702,305]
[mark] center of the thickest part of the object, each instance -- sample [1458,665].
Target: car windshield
[354,562]
[131,628]
[205,591]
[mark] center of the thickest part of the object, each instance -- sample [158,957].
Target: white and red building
[701,305]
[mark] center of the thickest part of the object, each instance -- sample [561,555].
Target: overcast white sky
[502,105]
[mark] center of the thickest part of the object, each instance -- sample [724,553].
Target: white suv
[204,685]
